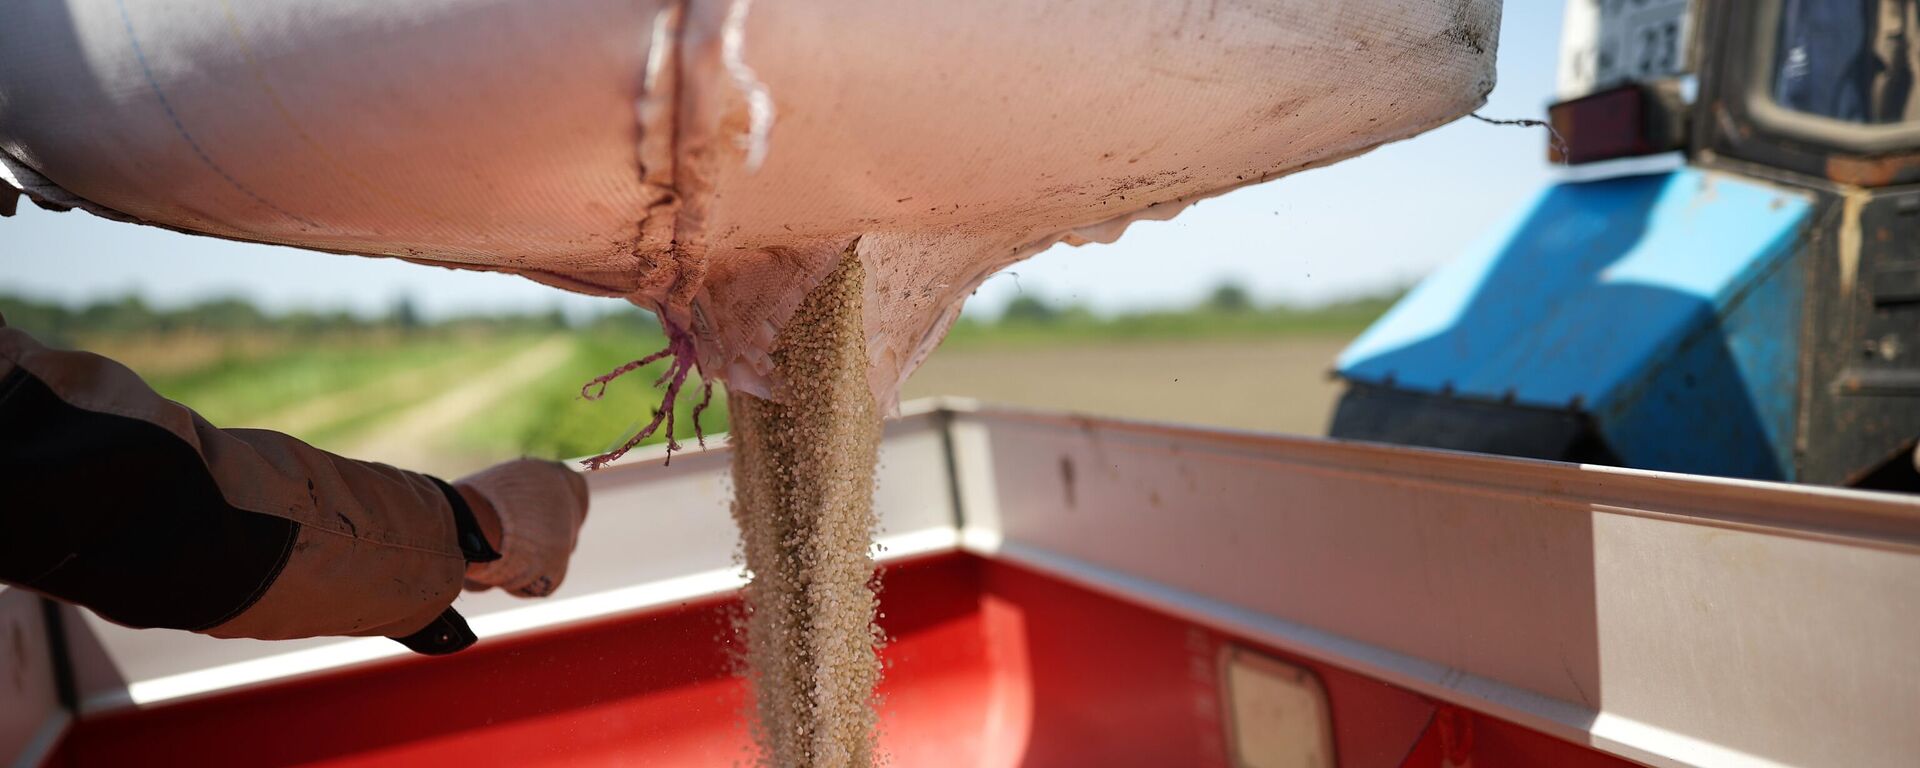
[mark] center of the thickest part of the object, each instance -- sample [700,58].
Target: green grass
[549,418]
[378,403]
[374,377]
[1074,326]
[241,390]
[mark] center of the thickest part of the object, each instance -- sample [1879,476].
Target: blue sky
[1371,223]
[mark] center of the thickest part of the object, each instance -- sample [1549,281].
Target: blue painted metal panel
[1723,403]
[1598,292]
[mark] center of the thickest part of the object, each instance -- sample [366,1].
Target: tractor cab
[1726,283]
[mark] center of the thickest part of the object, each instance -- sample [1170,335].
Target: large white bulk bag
[711,159]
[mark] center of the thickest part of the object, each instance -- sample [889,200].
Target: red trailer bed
[991,665]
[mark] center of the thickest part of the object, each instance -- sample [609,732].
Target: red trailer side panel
[990,665]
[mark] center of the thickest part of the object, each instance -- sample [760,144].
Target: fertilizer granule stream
[803,468]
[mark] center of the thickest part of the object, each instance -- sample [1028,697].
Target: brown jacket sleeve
[116,498]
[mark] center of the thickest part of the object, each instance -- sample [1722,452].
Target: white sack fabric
[711,159]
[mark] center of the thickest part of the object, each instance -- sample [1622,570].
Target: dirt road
[1277,385]
[412,438]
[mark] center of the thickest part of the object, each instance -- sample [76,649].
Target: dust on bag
[711,159]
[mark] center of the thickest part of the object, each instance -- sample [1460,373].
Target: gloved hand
[531,512]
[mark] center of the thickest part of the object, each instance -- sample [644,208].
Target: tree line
[132,314]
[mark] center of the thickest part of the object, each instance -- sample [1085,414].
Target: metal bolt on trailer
[1071,591]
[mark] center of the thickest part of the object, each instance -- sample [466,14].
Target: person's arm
[122,501]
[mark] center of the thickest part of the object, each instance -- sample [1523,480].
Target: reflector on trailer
[1629,121]
[1277,712]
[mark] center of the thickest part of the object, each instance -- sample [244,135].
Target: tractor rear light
[1632,120]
